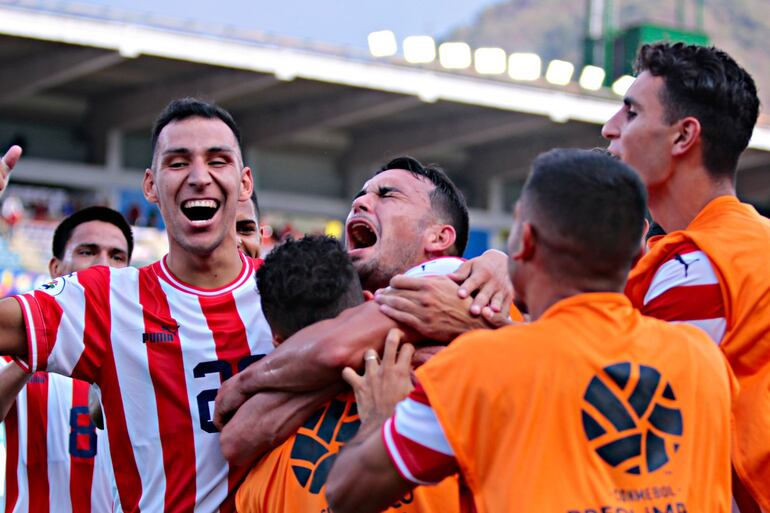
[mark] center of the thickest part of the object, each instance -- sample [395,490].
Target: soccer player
[405,215]
[55,457]
[303,282]
[591,407]
[684,123]
[159,340]
[247,226]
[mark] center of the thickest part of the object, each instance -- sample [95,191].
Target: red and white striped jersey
[416,443]
[158,350]
[51,462]
[685,289]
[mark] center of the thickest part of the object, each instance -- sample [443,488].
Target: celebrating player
[159,340]
[684,123]
[303,282]
[247,226]
[73,470]
[405,215]
[591,407]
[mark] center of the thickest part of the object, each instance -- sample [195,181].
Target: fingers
[7,164]
[460,275]
[404,282]
[371,362]
[404,318]
[392,342]
[10,159]
[405,356]
[352,378]
[471,285]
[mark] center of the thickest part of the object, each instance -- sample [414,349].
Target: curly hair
[706,83]
[305,281]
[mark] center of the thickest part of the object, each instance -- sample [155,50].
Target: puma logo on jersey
[684,262]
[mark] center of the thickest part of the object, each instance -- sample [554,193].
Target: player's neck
[548,290]
[211,271]
[678,201]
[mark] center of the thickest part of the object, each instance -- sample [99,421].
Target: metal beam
[138,108]
[434,135]
[272,126]
[40,72]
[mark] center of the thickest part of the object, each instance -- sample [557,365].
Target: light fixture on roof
[490,61]
[592,78]
[419,49]
[454,55]
[524,66]
[382,43]
[559,72]
[621,85]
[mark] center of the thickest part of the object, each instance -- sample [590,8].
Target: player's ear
[526,249]
[247,184]
[368,296]
[277,340]
[687,136]
[53,267]
[148,186]
[441,237]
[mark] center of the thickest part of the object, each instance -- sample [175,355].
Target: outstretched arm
[310,359]
[12,380]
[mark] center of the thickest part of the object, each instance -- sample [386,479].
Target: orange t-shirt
[292,477]
[736,240]
[593,407]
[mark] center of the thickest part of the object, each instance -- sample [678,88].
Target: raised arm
[309,360]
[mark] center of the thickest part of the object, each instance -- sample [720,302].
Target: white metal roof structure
[82,85]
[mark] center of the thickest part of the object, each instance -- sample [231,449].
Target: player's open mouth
[361,234]
[200,210]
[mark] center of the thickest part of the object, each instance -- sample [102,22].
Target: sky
[342,22]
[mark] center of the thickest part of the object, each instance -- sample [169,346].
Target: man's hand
[485,278]
[229,399]
[432,307]
[7,164]
[384,384]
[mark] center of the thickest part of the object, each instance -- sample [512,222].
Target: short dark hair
[63,232]
[590,209]
[183,108]
[445,199]
[305,281]
[706,83]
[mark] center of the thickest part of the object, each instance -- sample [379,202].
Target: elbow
[235,449]
[334,357]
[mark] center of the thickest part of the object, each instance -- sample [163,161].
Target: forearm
[267,419]
[13,334]
[12,381]
[363,478]
[314,357]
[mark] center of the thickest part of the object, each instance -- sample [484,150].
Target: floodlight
[621,85]
[454,55]
[524,66]
[559,72]
[490,61]
[382,43]
[419,49]
[592,78]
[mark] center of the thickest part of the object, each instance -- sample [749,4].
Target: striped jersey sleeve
[686,289]
[416,443]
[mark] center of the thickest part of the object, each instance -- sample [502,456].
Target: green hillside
[554,29]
